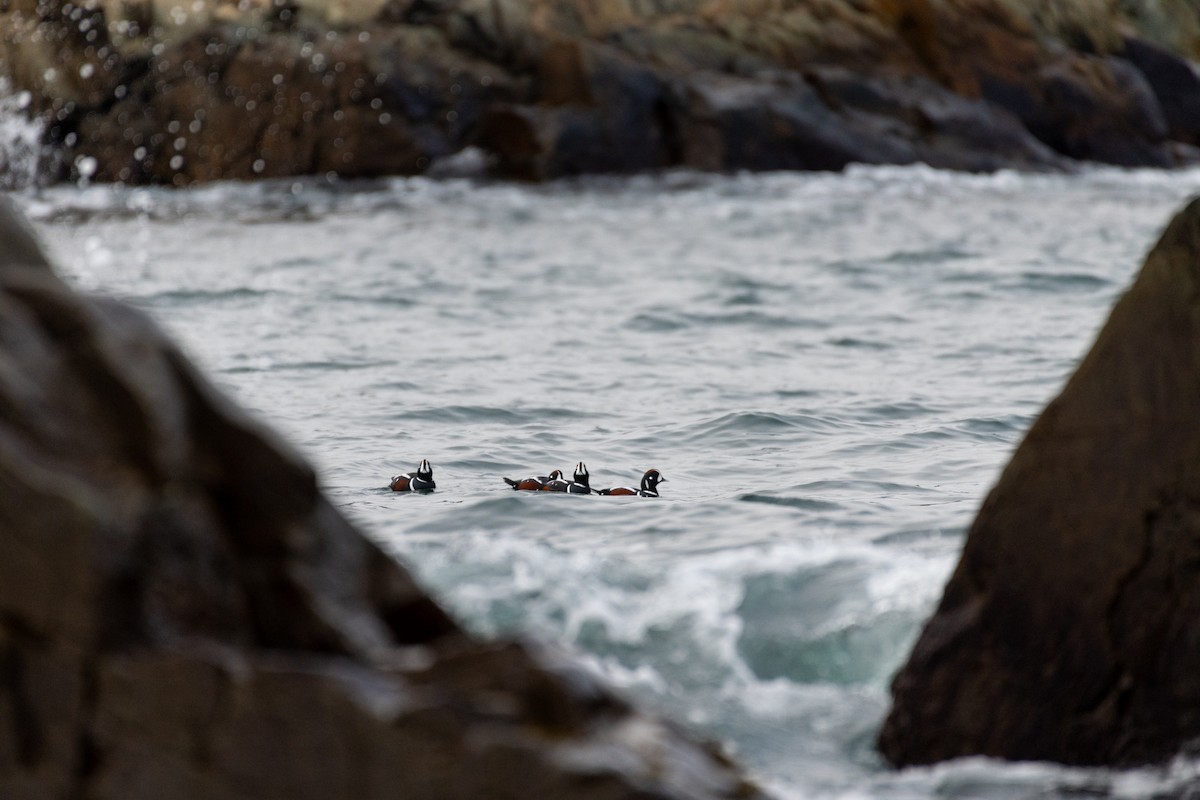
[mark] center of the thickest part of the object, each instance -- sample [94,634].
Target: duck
[419,481]
[579,484]
[649,487]
[536,483]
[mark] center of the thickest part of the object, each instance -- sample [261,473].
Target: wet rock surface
[178,93]
[183,614]
[1069,630]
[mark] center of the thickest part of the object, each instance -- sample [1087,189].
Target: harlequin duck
[579,485]
[534,484]
[649,488]
[419,481]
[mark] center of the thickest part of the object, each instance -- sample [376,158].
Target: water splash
[21,151]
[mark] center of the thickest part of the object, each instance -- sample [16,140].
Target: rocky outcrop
[183,615]
[1070,630]
[180,92]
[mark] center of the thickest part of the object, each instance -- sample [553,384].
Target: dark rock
[276,105]
[184,615]
[835,118]
[1070,630]
[1090,109]
[931,124]
[1174,82]
[740,124]
[971,135]
[598,112]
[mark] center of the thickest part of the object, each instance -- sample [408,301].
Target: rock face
[176,92]
[183,615]
[1070,630]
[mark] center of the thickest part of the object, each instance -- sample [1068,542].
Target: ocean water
[829,369]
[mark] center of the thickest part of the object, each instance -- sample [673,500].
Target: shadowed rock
[1175,84]
[184,615]
[1070,630]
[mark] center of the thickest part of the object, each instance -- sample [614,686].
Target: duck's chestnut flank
[648,488]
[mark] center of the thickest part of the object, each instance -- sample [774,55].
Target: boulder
[184,615]
[831,117]
[1070,629]
[1176,85]
[598,112]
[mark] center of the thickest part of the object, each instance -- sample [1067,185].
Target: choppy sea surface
[830,371]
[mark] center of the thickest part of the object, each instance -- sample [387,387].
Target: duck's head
[424,471]
[555,475]
[652,479]
[581,473]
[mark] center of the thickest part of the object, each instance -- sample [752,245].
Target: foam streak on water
[829,369]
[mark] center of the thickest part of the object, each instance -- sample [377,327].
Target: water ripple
[459,415]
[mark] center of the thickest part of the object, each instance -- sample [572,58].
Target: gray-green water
[830,370]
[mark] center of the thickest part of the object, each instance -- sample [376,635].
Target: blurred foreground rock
[1070,630]
[177,92]
[183,615]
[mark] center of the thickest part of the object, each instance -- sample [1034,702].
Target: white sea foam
[21,149]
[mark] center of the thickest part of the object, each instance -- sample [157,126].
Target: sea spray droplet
[86,166]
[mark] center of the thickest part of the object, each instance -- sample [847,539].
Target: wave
[931,256]
[469,414]
[735,424]
[315,366]
[197,296]
[387,300]
[853,343]
[667,320]
[815,613]
[802,503]
[1062,282]
[901,409]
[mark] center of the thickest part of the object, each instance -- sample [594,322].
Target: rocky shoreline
[168,92]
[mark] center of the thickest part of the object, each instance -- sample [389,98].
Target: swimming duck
[419,481]
[578,485]
[534,484]
[649,487]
